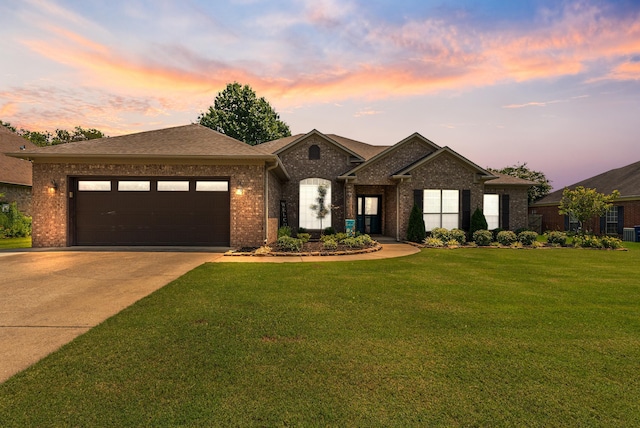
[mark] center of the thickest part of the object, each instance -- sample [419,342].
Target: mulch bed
[311,248]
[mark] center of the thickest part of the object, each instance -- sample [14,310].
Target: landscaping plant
[527,237]
[478,222]
[506,238]
[416,231]
[482,237]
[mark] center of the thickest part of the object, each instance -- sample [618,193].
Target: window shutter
[566,223]
[603,224]
[505,212]
[418,196]
[466,209]
[620,220]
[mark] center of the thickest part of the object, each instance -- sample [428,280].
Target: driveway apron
[49,298]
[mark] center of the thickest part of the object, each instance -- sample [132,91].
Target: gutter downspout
[266,200]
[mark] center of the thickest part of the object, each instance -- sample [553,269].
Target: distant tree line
[59,136]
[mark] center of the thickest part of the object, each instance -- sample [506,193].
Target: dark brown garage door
[150,211]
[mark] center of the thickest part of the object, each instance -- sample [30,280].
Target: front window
[574,224]
[612,220]
[491,211]
[441,208]
[310,210]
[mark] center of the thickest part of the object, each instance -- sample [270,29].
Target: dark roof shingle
[626,180]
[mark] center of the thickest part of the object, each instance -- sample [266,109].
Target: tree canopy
[239,113]
[60,136]
[541,189]
[583,204]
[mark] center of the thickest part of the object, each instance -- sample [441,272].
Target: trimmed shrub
[415,230]
[458,235]
[285,231]
[478,222]
[495,232]
[329,231]
[364,240]
[506,238]
[302,230]
[330,244]
[432,241]
[340,236]
[287,243]
[611,242]
[527,237]
[304,237]
[352,242]
[557,238]
[482,237]
[587,241]
[440,233]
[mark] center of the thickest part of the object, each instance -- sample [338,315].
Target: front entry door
[369,219]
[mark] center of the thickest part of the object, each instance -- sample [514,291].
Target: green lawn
[467,337]
[10,243]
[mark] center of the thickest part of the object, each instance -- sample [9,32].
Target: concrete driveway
[49,298]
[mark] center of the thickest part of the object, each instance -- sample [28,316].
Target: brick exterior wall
[443,172]
[21,195]
[332,163]
[51,226]
[380,172]
[518,205]
[552,220]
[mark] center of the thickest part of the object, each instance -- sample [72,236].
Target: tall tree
[239,113]
[540,190]
[583,204]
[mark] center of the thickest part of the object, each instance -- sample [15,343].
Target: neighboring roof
[12,170]
[486,175]
[509,180]
[626,180]
[188,141]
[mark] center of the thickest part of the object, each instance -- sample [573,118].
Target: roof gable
[485,175]
[12,170]
[279,146]
[430,147]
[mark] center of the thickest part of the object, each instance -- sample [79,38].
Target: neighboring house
[624,213]
[190,185]
[15,174]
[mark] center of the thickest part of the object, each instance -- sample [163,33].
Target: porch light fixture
[240,190]
[53,186]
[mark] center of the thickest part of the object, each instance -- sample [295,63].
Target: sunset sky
[555,84]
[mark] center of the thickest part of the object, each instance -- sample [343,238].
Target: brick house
[15,174]
[190,185]
[625,212]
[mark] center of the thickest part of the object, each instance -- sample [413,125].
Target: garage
[149,211]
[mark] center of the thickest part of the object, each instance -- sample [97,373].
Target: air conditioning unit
[629,234]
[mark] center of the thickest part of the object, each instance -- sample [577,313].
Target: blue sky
[555,84]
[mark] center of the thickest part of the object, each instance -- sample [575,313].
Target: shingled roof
[364,150]
[626,180]
[12,170]
[508,180]
[189,141]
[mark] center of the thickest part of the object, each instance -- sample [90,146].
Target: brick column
[349,199]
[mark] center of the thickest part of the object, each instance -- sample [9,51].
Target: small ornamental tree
[478,222]
[416,231]
[584,204]
[319,207]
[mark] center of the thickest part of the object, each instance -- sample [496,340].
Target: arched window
[309,206]
[314,152]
